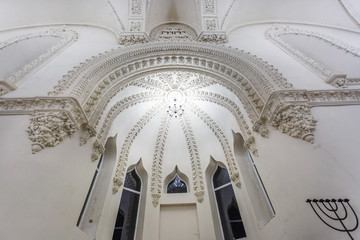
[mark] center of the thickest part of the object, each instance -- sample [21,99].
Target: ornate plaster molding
[190,82]
[136,7]
[197,174]
[24,106]
[125,149]
[48,129]
[337,80]
[114,111]
[220,135]
[236,112]
[67,36]
[209,7]
[244,90]
[292,108]
[136,19]
[131,38]
[39,106]
[295,121]
[156,169]
[91,81]
[213,37]
[230,63]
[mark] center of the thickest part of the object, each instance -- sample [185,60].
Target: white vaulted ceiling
[184,11]
[113,14]
[321,12]
[42,12]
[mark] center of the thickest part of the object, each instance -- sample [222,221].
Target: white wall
[42,194]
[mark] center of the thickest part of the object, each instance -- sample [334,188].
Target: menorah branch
[326,212]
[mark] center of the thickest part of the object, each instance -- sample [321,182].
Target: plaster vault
[184,86]
[174,104]
[106,105]
[137,84]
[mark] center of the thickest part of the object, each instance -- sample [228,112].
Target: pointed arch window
[177,186]
[229,214]
[126,221]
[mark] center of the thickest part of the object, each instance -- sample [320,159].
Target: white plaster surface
[42,194]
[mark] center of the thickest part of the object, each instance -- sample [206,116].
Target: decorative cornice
[21,106]
[197,173]
[67,36]
[39,106]
[293,107]
[337,80]
[156,169]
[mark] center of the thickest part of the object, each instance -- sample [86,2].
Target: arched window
[177,186]
[255,188]
[126,220]
[93,206]
[230,218]
[176,182]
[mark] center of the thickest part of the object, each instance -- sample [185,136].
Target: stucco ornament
[334,78]
[48,129]
[131,38]
[86,133]
[98,149]
[213,37]
[296,121]
[260,127]
[67,36]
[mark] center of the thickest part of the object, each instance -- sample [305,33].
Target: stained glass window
[177,186]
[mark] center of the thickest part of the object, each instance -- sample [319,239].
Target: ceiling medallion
[175,98]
